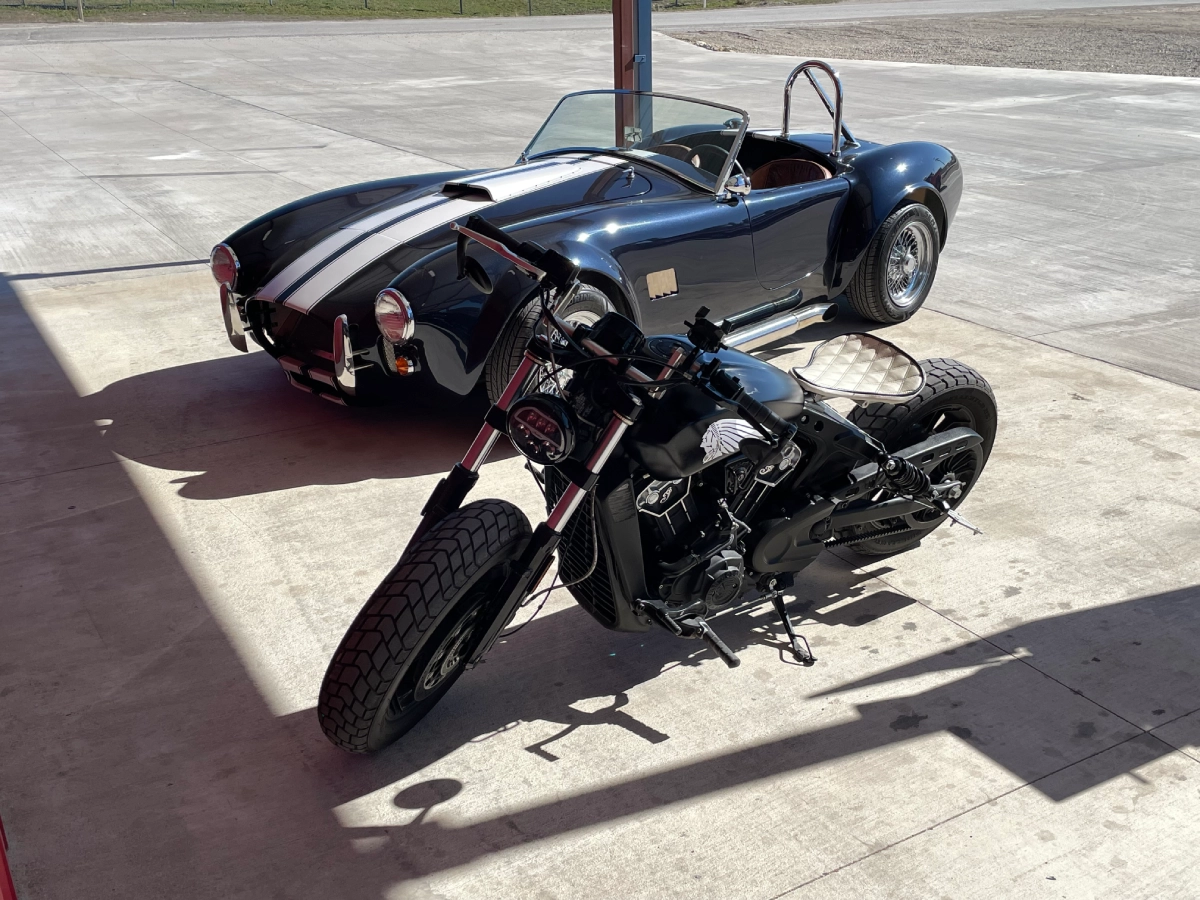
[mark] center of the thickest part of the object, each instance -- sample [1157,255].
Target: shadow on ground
[135,736]
[238,428]
[990,708]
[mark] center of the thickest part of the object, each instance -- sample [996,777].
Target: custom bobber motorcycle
[680,473]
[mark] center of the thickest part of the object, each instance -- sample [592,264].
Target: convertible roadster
[666,204]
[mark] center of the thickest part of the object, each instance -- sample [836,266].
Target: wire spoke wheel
[909,263]
[898,267]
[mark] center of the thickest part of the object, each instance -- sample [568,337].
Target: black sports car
[666,203]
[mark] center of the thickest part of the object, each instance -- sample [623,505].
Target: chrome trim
[480,448]
[738,184]
[410,326]
[574,494]
[237,266]
[565,507]
[344,356]
[321,376]
[487,436]
[291,365]
[833,108]
[612,436]
[762,333]
[235,328]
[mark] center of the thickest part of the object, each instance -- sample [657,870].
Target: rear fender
[883,178]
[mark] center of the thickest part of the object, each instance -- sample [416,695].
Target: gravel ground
[1146,40]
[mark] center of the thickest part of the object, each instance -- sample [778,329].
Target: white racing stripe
[419,216]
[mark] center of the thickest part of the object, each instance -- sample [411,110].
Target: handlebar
[536,260]
[755,412]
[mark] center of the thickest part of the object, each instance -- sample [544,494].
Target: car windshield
[691,138]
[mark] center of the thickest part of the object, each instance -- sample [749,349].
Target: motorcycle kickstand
[800,648]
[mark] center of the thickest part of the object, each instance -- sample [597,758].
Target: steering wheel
[704,156]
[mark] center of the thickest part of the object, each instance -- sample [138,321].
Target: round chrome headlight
[394,316]
[542,428]
[224,264]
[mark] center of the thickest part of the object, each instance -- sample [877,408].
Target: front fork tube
[535,560]
[453,489]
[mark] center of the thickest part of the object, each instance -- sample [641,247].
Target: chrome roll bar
[834,107]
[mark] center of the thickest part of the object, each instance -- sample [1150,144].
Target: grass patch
[14,11]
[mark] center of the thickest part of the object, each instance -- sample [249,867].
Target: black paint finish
[620,226]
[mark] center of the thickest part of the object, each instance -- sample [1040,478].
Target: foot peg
[697,627]
[800,648]
[688,627]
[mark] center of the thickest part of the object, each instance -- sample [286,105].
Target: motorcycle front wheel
[413,638]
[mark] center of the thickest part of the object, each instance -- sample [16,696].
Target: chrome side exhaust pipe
[763,333]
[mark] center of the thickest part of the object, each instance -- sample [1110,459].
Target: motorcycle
[681,475]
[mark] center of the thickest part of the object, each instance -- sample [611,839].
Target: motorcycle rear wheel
[954,395]
[413,638]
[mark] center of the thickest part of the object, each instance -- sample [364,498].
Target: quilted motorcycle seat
[863,368]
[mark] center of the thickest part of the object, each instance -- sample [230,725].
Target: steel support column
[631,63]
[631,45]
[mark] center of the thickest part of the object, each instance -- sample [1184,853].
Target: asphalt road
[1161,40]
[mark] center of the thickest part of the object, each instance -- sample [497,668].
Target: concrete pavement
[185,538]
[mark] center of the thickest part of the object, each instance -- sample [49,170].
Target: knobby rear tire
[412,639]
[954,395]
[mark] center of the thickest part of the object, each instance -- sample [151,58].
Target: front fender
[598,265]
[882,177]
[457,326]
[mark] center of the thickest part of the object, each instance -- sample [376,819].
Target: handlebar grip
[488,230]
[756,412]
[748,406]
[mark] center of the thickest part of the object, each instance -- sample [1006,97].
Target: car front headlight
[394,316]
[224,264]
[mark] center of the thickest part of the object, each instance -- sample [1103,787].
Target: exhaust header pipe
[752,336]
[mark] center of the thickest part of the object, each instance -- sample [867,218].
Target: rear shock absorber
[905,477]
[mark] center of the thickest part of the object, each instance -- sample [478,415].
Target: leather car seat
[786,172]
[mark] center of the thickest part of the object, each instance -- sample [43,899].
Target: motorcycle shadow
[236,427]
[564,669]
[1051,737]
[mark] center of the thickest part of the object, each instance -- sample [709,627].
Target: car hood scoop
[516,181]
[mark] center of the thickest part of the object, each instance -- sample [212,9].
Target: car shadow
[236,427]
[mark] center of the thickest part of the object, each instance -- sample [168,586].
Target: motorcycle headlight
[542,428]
[394,316]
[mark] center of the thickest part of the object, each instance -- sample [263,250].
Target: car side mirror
[738,185]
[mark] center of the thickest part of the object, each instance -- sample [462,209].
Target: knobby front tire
[412,639]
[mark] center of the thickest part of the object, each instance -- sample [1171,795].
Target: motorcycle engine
[695,559]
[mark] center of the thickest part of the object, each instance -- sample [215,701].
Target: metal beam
[631,45]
